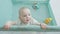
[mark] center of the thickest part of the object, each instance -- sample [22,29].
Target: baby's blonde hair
[21,9]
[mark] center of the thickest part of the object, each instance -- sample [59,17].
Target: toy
[48,20]
[35,6]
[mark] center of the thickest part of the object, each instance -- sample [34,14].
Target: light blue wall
[5,11]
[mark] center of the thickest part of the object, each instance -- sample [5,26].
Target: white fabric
[33,21]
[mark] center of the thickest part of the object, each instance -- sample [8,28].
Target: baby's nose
[27,17]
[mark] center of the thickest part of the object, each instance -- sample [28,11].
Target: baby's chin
[27,21]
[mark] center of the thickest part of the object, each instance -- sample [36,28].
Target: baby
[25,18]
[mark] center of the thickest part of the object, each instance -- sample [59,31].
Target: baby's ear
[19,16]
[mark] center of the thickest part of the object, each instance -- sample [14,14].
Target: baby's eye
[29,14]
[24,15]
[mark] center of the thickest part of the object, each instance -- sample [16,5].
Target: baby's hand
[8,24]
[6,27]
[43,26]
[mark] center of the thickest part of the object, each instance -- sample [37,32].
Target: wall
[55,4]
[5,11]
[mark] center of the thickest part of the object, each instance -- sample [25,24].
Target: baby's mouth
[27,20]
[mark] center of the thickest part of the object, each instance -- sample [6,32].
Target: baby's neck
[24,23]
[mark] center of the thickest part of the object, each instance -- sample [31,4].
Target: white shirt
[33,21]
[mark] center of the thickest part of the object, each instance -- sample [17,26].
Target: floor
[17,32]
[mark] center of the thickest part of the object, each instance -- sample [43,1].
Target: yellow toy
[47,20]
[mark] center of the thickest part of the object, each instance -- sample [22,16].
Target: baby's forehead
[24,10]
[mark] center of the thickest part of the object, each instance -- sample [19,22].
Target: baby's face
[25,15]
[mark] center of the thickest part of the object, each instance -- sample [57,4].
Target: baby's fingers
[43,26]
[6,27]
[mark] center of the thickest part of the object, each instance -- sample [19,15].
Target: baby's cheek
[30,18]
[25,19]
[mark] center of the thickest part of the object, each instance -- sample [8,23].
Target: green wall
[5,11]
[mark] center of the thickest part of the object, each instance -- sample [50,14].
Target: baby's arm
[35,22]
[8,24]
